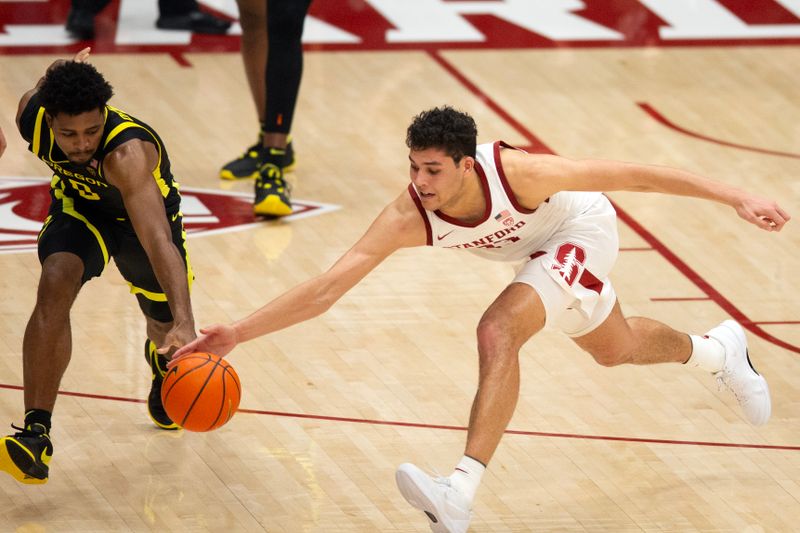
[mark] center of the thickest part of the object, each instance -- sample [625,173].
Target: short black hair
[74,88]
[445,128]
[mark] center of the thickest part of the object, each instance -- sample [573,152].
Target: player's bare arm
[535,177]
[398,226]
[129,168]
[3,143]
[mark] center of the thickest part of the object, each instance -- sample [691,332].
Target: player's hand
[179,335]
[218,339]
[764,213]
[3,143]
[83,55]
[80,57]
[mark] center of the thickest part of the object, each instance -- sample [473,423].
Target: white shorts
[570,271]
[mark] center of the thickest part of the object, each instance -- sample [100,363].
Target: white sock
[707,354]
[467,476]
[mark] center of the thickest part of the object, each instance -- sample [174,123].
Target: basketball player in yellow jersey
[112,195]
[547,213]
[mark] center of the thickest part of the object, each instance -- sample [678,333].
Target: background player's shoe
[272,192]
[738,375]
[26,454]
[447,509]
[195,21]
[158,365]
[249,164]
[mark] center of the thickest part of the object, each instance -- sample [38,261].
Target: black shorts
[96,237]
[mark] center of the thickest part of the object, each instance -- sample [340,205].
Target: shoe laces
[271,175]
[27,433]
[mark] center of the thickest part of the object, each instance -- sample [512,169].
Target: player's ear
[469,163]
[49,118]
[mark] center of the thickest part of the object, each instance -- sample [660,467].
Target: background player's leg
[284,68]
[253,19]
[283,73]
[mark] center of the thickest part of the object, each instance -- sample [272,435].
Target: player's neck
[470,203]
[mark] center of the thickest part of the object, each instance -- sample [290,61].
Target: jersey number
[84,190]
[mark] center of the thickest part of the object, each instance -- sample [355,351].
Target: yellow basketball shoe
[158,366]
[25,455]
[248,165]
[272,192]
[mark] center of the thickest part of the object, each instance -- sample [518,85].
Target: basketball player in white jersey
[549,213]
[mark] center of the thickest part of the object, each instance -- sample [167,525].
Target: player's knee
[612,354]
[253,21]
[61,277]
[494,341]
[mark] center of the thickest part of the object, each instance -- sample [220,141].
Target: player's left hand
[764,213]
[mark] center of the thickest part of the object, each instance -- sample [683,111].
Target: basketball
[201,392]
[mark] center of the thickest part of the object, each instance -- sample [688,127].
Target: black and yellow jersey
[85,184]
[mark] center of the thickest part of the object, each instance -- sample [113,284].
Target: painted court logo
[24,203]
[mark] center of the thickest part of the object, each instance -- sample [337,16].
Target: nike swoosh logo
[440,237]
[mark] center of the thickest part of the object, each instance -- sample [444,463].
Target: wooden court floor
[332,406]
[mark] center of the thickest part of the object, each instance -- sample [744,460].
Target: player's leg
[186,15]
[516,315]
[284,71]
[80,20]
[253,19]
[71,252]
[722,351]
[635,340]
[134,265]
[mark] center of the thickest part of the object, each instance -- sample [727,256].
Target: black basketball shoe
[26,454]
[248,165]
[158,365]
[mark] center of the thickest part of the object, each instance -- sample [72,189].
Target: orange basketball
[201,392]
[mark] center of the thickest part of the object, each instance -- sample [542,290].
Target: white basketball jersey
[507,231]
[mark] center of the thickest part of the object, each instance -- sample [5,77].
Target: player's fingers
[180,352]
[83,55]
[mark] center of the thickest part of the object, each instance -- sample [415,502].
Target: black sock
[38,416]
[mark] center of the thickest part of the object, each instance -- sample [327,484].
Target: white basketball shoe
[447,509]
[738,375]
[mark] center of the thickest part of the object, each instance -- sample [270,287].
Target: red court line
[684,299]
[395,423]
[666,122]
[651,240]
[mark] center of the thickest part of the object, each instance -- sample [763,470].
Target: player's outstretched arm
[398,226]
[129,168]
[3,143]
[538,176]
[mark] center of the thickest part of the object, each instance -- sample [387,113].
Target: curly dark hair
[445,128]
[74,88]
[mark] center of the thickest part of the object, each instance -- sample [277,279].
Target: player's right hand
[218,339]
